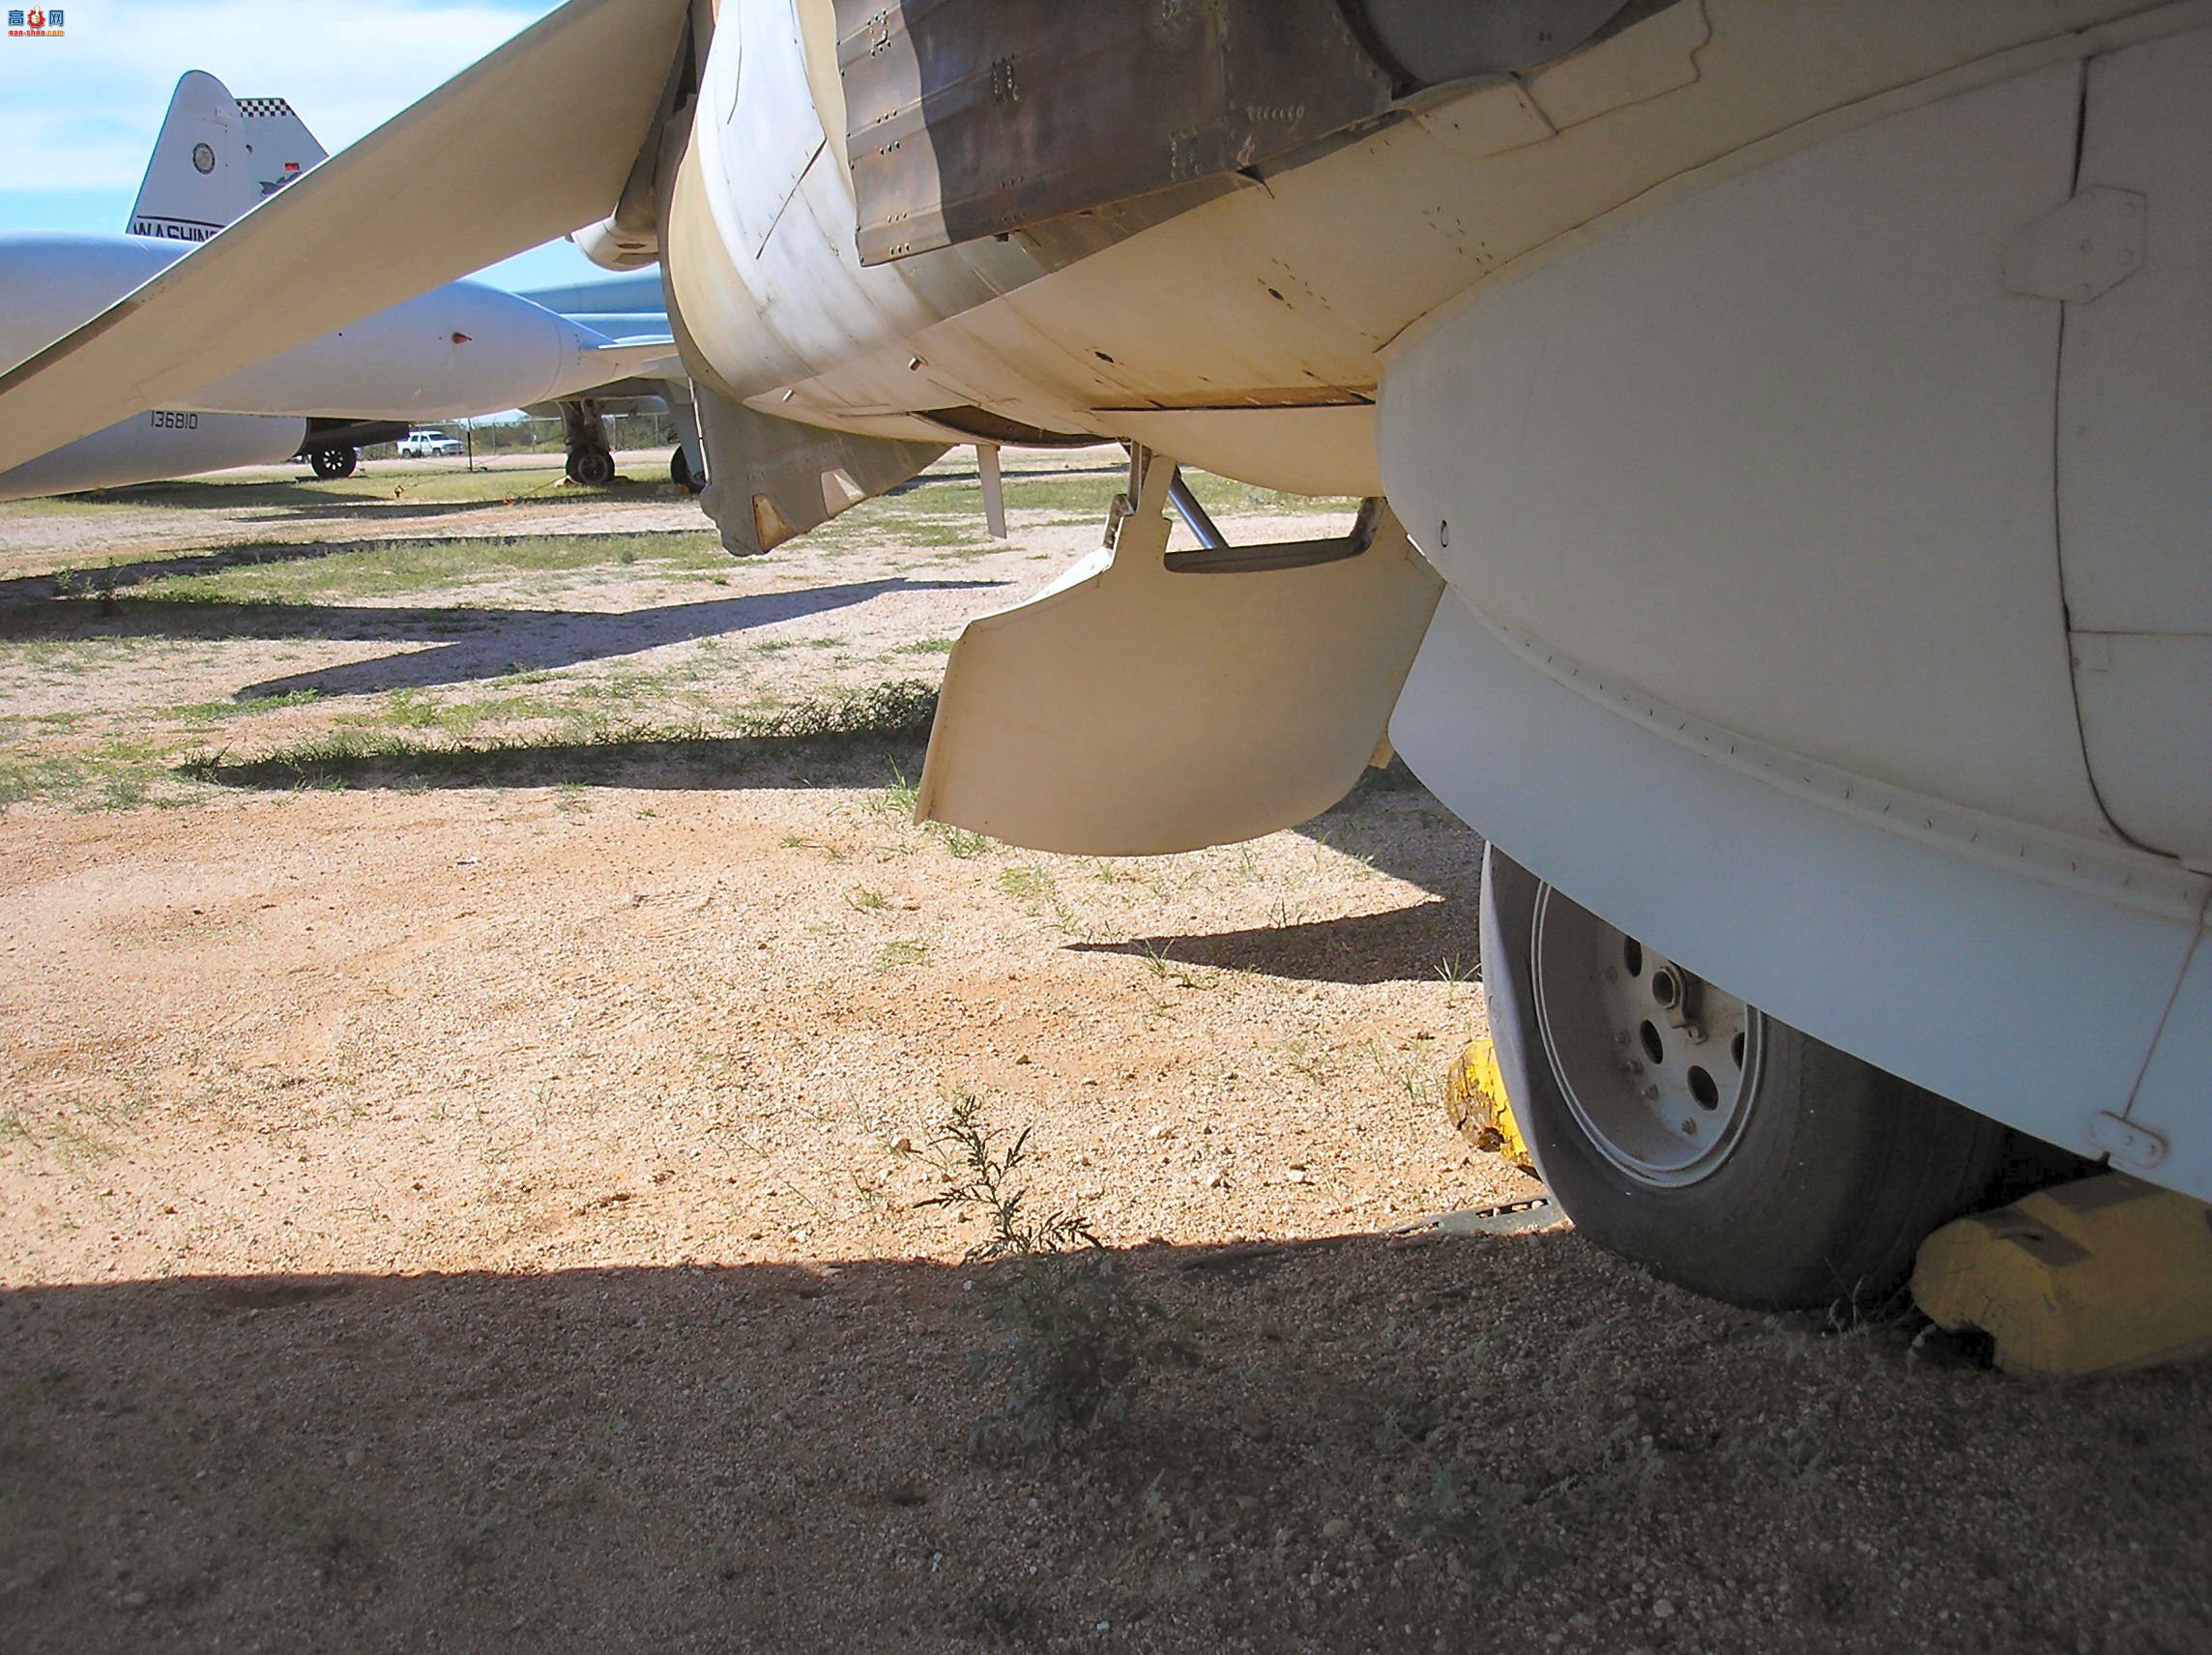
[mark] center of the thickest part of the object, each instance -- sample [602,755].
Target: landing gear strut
[591,461]
[332,463]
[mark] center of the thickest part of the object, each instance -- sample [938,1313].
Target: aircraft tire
[681,474]
[590,467]
[330,464]
[1731,1153]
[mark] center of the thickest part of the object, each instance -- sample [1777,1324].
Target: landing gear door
[1151,702]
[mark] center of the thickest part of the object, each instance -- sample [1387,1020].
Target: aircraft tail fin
[279,146]
[200,179]
[552,124]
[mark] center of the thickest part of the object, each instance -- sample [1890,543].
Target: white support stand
[993,489]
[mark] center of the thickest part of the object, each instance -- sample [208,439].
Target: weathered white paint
[2134,454]
[2021,990]
[1780,453]
[1134,710]
[154,446]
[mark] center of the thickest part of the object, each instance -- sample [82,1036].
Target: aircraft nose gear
[594,468]
[682,474]
[332,463]
[590,458]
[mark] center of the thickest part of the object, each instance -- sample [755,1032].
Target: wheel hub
[1658,1067]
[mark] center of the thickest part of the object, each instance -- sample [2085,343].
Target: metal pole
[1193,514]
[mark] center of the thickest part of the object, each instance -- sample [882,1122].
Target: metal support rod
[1193,514]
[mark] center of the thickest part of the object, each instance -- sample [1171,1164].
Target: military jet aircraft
[1783,424]
[462,349]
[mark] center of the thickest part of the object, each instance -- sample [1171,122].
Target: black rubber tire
[590,468]
[1842,1169]
[681,474]
[330,464]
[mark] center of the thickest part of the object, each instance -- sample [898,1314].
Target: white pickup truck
[427,446]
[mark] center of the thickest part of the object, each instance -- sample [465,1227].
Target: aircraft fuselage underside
[1805,405]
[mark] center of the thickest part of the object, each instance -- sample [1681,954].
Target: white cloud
[80,112]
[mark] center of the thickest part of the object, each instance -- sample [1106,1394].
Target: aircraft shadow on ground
[26,592]
[887,735]
[305,496]
[497,642]
[1434,849]
[658,1452]
[1405,944]
[383,509]
[1487,1428]
[1397,826]
[486,643]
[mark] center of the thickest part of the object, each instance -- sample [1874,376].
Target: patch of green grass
[961,842]
[881,713]
[898,799]
[591,744]
[112,775]
[926,647]
[67,656]
[955,505]
[303,761]
[216,712]
[1028,883]
[69,1144]
[900,952]
[864,900]
[387,569]
[1163,966]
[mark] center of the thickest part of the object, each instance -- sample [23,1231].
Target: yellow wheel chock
[2081,1278]
[1474,1097]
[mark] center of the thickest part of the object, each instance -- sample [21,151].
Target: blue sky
[79,114]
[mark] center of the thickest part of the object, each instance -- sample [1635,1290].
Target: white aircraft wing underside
[534,140]
[634,359]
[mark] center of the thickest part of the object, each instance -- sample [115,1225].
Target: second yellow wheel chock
[1475,1100]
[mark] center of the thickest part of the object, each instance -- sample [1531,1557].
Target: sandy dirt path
[472,1190]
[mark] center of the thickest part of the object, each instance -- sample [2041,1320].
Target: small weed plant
[1073,1337]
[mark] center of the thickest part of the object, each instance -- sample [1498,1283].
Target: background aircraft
[1784,424]
[628,308]
[462,349]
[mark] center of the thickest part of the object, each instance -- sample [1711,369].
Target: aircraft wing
[534,140]
[634,359]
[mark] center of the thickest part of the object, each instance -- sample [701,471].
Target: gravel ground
[467,1176]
